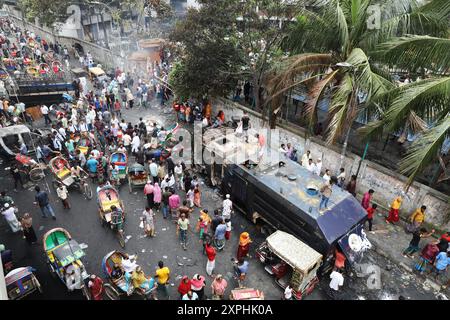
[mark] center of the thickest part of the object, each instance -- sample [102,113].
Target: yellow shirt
[163,275]
[397,203]
[418,216]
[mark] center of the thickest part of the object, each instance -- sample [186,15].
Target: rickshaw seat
[106,205]
[83,149]
[61,174]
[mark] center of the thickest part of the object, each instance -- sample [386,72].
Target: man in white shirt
[178,170]
[135,143]
[305,158]
[288,293]
[310,166]
[337,280]
[44,111]
[129,265]
[326,176]
[153,168]
[318,167]
[227,206]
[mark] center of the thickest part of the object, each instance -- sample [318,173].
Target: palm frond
[315,93]
[424,150]
[340,105]
[342,28]
[426,97]
[414,52]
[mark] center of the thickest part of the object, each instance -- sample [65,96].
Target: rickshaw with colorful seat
[107,199]
[44,69]
[64,257]
[119,160]
[61,169]
[57,67]
[137,176]
[120,285]
[21,282]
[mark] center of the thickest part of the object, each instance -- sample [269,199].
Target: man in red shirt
[370,211]
[211,254]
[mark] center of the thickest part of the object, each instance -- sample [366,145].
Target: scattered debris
[83,246]
[143,250]
[165,257]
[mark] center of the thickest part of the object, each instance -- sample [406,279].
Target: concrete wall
[386,183]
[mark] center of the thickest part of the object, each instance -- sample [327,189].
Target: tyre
[86,293]
[87,191]
[36,174]
[111,293]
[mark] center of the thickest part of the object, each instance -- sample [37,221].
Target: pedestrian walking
[367,198]
[326,190]
[211,254]
[370,212]
[41,199]
[416,219]
[414,243]
[45,111]
[394,210]
[63,194]
[148,222]
[337,280]
[15,172]
[190,196]
[165,202]
[351,186]
[244,246]
[227,206]
[27,227]
[198,285]
[148,192]
[218,287]
[427,257]
[184,287]
[182,230]
[228,229]
[174,203]
[157,196]
[163,275]
[197,197]
[9,212]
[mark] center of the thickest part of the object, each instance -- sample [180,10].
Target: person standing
[211,254]
[63,194]
[163,276]
[184,287]
[190,296]
[414,243]
[341,178]
[135,143]
[153,168]
[218,286]
[417,218]
[227,206]
[244,246]
[394,210]
[337,280]
[245,125]
[44,111]
[27,227]
[326,190]
[149,222]
[182,230]
[41,199]
[367,198]
[370,212]
[165,202]
[198,285]
[9,212]
[157,196]
[305,158]
[228,229]
[287,293]
[15,172]
[148,192]
[351,186]
[190,197]
[174,203]
[197,197]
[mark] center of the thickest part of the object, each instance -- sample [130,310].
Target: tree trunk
[344,147]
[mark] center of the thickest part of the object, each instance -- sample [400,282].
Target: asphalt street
[83,222]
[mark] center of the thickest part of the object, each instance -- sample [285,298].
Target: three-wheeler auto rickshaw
[291,262]
[21,282]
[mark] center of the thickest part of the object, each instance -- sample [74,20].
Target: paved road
[83,223]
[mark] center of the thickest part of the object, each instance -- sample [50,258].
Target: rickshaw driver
[117,218]
[75,171]
[73,277]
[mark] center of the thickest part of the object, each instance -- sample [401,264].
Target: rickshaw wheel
[88,191]
[86,293]
[36,174]
[111,293]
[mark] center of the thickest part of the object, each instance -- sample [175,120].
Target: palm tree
[337,54]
